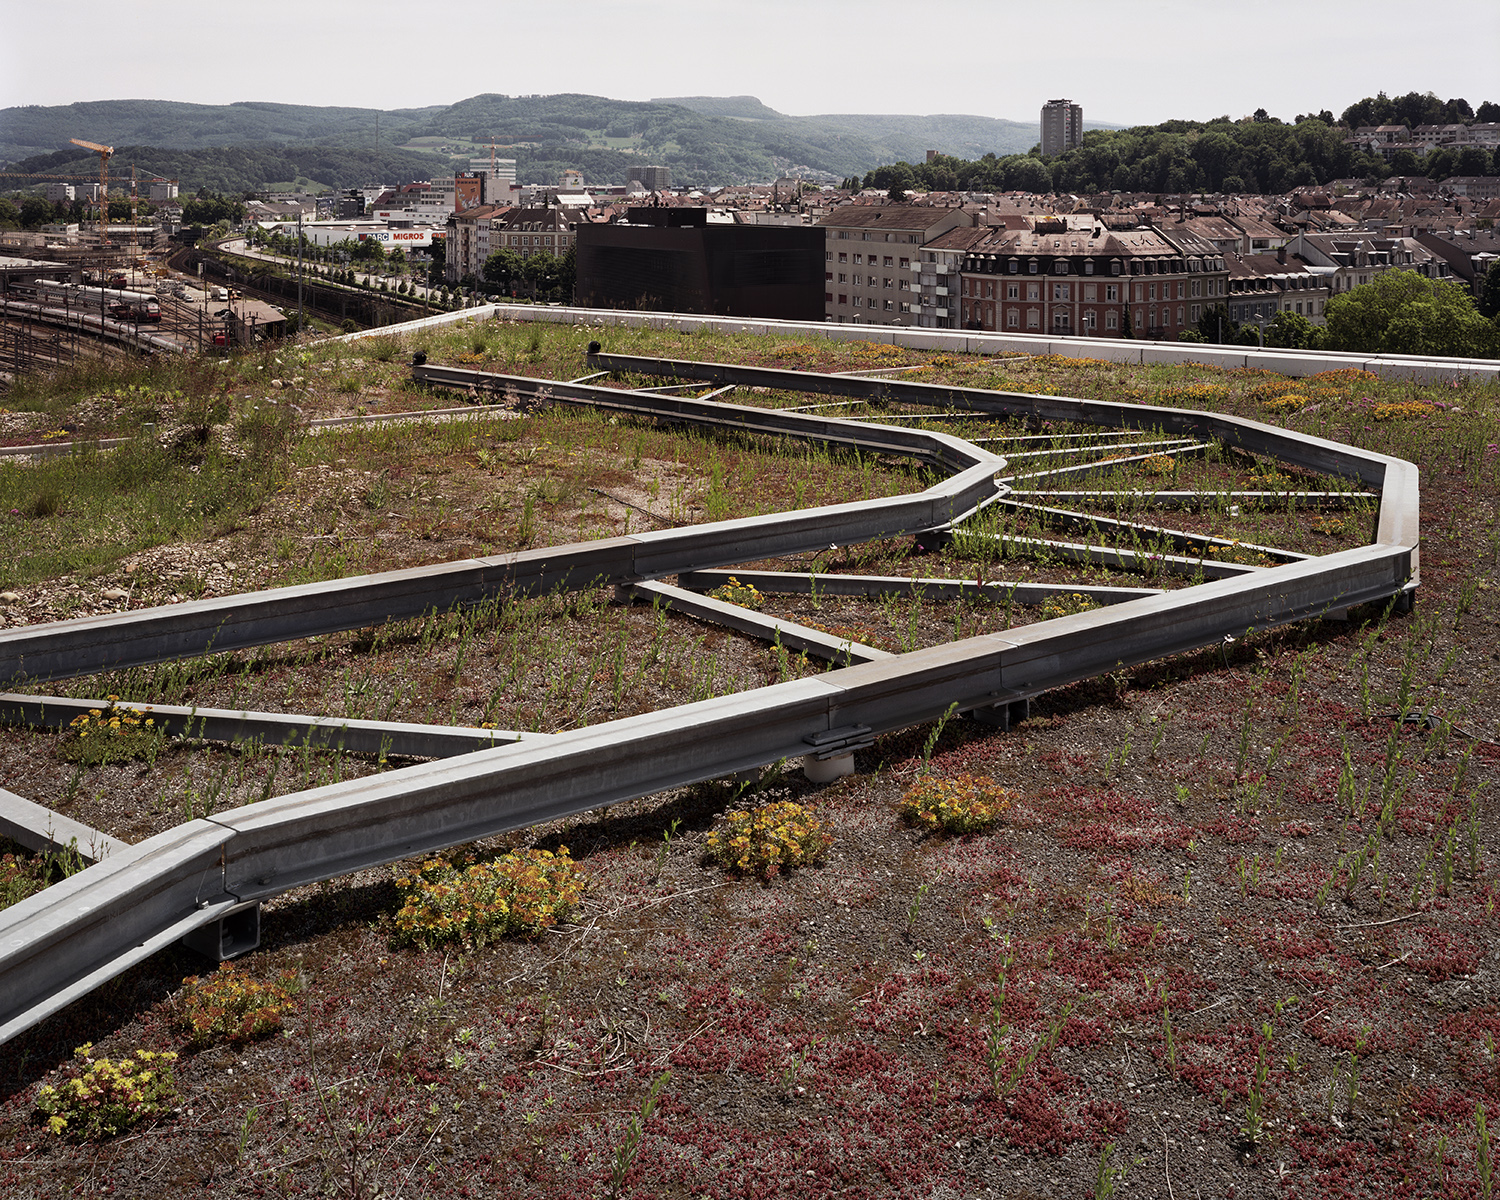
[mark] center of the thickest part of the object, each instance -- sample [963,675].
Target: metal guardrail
[151,635]
[203,879]
[1422,368]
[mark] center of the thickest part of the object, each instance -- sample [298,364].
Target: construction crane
[104,153]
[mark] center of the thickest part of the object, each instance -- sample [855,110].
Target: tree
[1489,292]
[36,212]
[10,215]
[1487,112]
[1290,331]
[1401,312]
[503,268]
[1472,160]
[1215,325]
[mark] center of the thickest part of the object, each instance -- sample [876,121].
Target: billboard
[408,239]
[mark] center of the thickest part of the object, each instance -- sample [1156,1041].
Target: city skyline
[1158,64]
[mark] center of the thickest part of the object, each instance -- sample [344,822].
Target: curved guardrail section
[57,945]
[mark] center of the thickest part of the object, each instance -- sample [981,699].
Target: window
[1062,291]
[1033,319]
[843,233]
[857,260]
[1197,287]
[843,299]
[889,305]
[887,283]
[887,261]
[864,237]
[1179,314]
[827,297]
[1111,319]
[1088,267]
[1060,266]
[1089,321]
[1032,267]
[905,264]
[828,254]
[1140,291]
[858,302]
[1140,318]
[827,276]
[1012,291]
[1033,291]
[1090,292]
[843,258]
[1014,266]
[905,307]
[1299,308]
[1013,318]
[1114,267]
[1153,291]
[989,291]
[1060,320]
[843,278]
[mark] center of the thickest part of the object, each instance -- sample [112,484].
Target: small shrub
[1331,526]
[1403,410]
[107,1096]
[459,899]
[958,805]
[746,595]
[1159,465]
[230,1006]
[1235,553]
[116,733]
[767,840]
[1066,604]
[1288,402]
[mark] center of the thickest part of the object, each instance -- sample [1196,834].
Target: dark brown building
[677,260]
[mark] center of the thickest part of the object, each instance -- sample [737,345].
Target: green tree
[1215,325]
[10,215]
[503,269]
[36,211]
[1401,312]
[1290,331]
[1489,292]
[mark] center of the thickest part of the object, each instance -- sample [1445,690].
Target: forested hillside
[1256,154]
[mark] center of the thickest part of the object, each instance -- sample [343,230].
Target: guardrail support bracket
[234,934]
[1004,717]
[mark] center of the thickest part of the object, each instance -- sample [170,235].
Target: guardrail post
[1004,717]
[234,934]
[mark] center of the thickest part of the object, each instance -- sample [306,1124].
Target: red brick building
[1073,277]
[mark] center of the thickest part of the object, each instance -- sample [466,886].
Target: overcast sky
[1134,63]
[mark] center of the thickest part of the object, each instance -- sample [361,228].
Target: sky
[1137,63]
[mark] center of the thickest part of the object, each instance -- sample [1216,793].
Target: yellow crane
[104,153]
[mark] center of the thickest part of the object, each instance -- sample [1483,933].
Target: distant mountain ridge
[704,139]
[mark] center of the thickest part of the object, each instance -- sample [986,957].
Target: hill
[703,139]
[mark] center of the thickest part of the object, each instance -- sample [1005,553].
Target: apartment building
[1261,285]
[469,242]
[1062,126]
[530,231]
[1065,278]
[872,261]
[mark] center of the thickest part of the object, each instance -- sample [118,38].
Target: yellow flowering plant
[767,840]
[957,804]
[458,898]
[746,595]
[116,733]
[107,1096]
[1065,604]
[231,1006]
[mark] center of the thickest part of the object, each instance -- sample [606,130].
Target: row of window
[870,302]
[1145,318]
[870,281]
[1060,266]
[875,259]
[867,236]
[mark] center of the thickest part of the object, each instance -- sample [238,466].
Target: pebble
[115,594]
[10,597]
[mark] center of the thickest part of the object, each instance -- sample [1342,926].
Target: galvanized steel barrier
[203,880]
